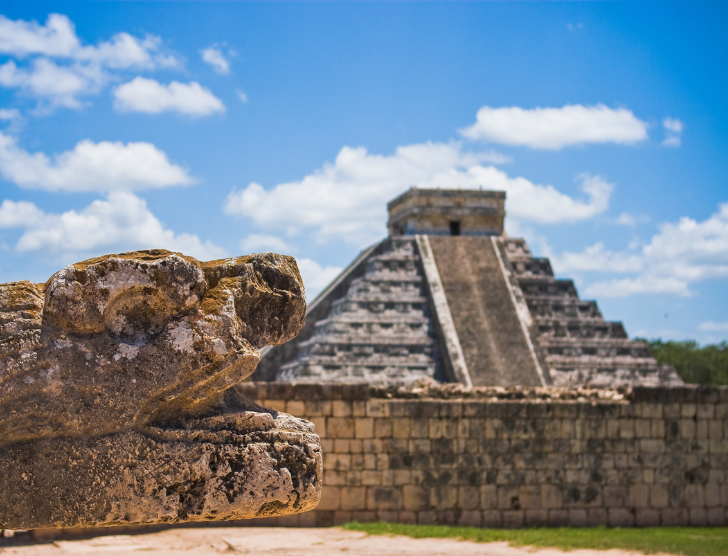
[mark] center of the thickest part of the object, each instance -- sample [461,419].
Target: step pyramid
[448,296]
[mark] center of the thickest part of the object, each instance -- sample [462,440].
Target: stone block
[377,408]
[401,427]
[615,496]
[712,495]
[342,517]
[698,517]
[451,409]
[318,408]
[529,496]
[558,518]
[470,518]
[658,496]
[536,518]
[444,497]
[277,405]
[409,518]
[340,427]
[489,496]
[658,428]
[415,498]
[364,427]
[428,517]
[387,516]
[371,478]
[383,428]
[578,517]
[513,519]
[384,498]
[647,517]
[620,517]
[551,497]
[715,429]
[642,428]
[688,410]
[694,496]
[469,497]
[353,498]
[596,517]
[337,462]
[627,428]
[674,517]
[340,408]
[364,516]
[330,498]
[717,517]
[639,495]
[492,518]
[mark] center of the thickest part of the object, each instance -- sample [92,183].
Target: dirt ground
[279,541]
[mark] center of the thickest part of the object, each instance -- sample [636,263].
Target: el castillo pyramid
[448,296]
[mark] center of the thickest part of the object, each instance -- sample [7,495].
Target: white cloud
[347,198]
[90,166]
[243,97]
[626,219]
[679,255]
[123,222]
[58,39]
[150,96]
[61,70]
[59,85]
[710,326]
[555,128]
[673,132]
[9,114]
[316,277]
[215,58]
[262,242]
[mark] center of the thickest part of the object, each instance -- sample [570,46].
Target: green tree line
[707,365]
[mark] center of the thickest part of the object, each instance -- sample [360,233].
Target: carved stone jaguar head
[123,341]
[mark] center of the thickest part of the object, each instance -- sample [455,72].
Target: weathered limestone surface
[115,393]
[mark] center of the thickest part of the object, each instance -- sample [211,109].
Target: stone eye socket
[137,315]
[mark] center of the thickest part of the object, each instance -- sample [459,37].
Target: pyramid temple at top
[449,296]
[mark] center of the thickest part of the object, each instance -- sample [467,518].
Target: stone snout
[116,404]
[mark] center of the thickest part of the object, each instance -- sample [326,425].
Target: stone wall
[514,458]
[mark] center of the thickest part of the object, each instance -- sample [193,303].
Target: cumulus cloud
[673,132]
[215,58]
[243,97]
[62,86]
[150,96]
[681,254]
[710,326]
[58,39]
[347,198]
[90,166]
[122,222]
[556,128]
[316,277]
[60,70]
[263,242]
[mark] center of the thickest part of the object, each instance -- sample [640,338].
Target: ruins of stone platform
[116,404]
[448,296]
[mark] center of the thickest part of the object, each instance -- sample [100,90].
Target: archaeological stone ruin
[449,296]
[117,403]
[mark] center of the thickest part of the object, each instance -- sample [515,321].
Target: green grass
[688,541]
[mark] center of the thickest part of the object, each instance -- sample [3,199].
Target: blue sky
[224,128]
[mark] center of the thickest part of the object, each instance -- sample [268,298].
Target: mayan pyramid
[450,297]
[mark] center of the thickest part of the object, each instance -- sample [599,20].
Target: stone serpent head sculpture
[117,398]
